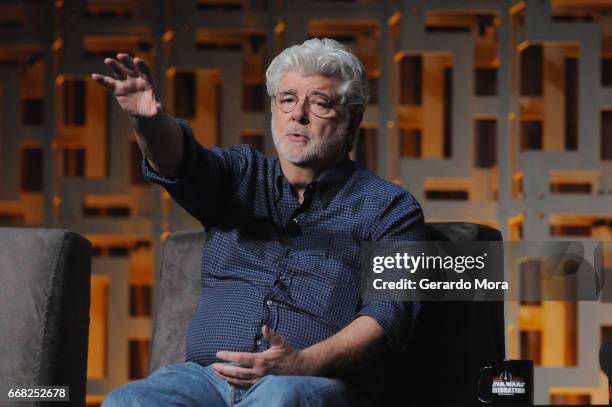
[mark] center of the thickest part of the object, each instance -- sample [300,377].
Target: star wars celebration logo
[506,385]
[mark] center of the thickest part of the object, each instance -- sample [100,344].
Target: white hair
[325,57]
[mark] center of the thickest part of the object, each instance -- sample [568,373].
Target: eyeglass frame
[333,102]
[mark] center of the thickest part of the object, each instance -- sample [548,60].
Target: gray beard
[326,150]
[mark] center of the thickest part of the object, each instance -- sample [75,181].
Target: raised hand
[132,84]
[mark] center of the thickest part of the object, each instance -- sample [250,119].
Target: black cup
[506,382]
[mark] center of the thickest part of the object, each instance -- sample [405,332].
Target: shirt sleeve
[205,179]
[401,220]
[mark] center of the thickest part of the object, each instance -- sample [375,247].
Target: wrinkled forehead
[303,83]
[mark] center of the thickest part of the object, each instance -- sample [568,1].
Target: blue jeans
[192,385]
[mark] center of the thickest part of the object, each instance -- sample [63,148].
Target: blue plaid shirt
[269,260]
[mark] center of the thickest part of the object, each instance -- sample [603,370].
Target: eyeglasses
[318,105]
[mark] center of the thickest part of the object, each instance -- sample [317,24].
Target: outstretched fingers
[143,69]
[120,71]
[128,63]
[245,359]
[108,83]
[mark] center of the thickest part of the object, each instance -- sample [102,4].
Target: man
[280,320]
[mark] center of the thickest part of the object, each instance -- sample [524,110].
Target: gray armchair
[44,311]
[176,295]
[451,341]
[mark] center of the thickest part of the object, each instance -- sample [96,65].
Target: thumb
[272,337]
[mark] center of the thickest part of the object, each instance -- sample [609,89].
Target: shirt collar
[327,184]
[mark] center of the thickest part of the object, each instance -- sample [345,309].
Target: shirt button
[282,277]
[258,342]
[294,220]
[269,302]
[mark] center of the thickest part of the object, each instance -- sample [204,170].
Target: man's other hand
[132,84]
[280,359]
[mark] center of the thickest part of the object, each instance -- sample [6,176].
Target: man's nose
[300,113]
